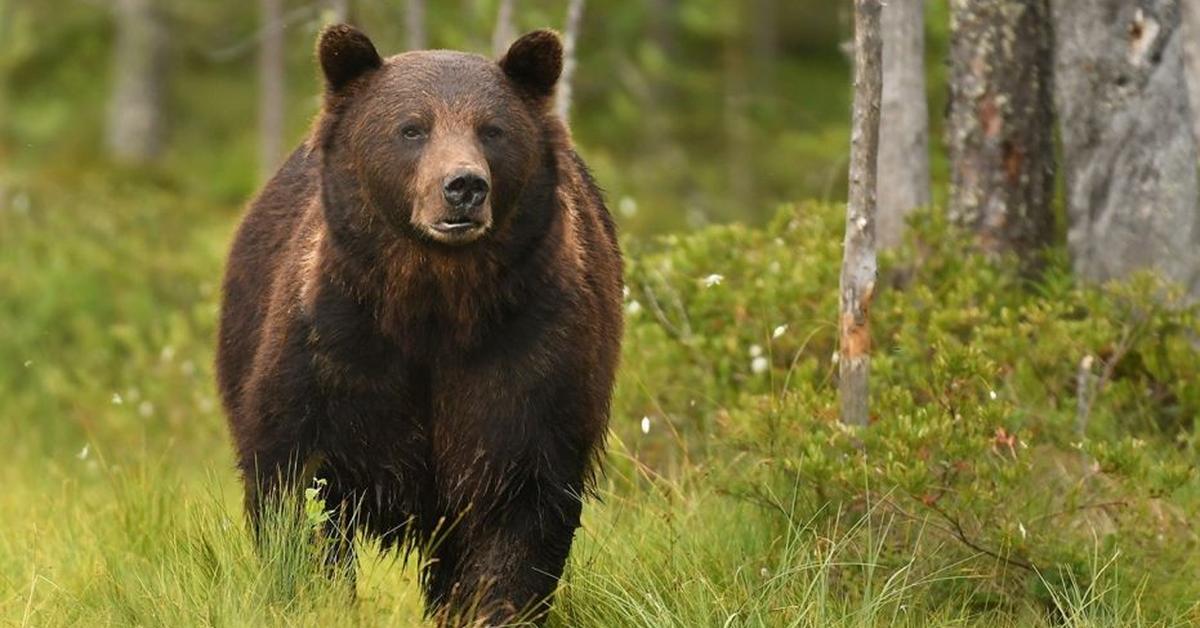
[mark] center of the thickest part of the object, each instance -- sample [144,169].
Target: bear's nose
[465,190]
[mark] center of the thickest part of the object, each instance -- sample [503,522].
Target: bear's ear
[345,55]
[534,62]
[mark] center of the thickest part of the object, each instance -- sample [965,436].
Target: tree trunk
[570,41]
[1129,152]
[764,42]
[135,114]
[505,30]
[414,23]
[1191,57]
[340,11]
[1000,128]
[272,86]
[739,152]
[904,120]
[662,23]
[858,257]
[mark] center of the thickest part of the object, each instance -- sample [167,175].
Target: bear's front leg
[504,560]
[511,464]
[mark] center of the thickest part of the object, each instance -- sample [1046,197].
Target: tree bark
[414,24]
[570,41]
[904,120]
[505,30]
[1000,128]
[858,257]
[136,121]
[271,86]
[1128,149]
[1191,57]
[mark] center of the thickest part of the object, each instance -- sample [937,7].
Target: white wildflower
[779,331]
[992,394]
[1021,527]
[760,365]
[755,351]
[633,308]
[627,206]
[713,280]
[83,453]
[28,363]
[645,425]
[116,399]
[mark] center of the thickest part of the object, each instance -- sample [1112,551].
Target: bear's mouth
[458,230]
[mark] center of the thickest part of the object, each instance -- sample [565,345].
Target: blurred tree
[1191,52]
[271,86]
[340,10]
[570,41]
[858,255]
[737,86]
[414,24]
[136,120]
[662,23]
[904,120]
[1000,128]
[1129,153]
[505,30]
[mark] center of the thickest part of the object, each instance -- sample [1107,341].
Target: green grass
[122,506]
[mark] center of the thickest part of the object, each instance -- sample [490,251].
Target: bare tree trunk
[765,41]
[570,41]
[858,257]
[904,120]
[1129,154]
[1000,128]
[739,157]
[505,30]
[136,123]
[1191,57]
[340,11]
[414,24]
[271,85]
[662,25]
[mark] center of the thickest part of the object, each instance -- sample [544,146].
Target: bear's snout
[465,190]
[464,213]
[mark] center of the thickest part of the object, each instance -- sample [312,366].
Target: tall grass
[121,506]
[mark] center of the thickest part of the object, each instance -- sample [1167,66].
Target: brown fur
[452,389]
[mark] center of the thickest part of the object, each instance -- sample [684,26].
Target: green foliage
[1019,466]
[743,499]
[664,100]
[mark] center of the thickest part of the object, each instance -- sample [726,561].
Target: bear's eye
[491,132]
[412,132]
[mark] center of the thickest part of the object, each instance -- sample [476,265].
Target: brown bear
[423,308]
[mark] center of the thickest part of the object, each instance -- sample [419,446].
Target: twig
[1089,388]
[962,537]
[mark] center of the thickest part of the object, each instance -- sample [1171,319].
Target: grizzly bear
[423,309]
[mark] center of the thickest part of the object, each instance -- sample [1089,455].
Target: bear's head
[437,145]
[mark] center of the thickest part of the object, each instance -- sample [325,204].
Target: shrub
[1021,427]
